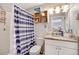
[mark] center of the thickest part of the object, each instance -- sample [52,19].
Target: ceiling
[28,5]
[8,6]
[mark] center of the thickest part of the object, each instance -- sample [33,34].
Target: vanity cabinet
[54,47]
[51,50]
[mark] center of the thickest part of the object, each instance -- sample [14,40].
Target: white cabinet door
[51,50]
[67,51]
[53,47]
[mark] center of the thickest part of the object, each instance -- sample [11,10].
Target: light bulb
[43,14]
[51,10]
[57,10]
[65,8]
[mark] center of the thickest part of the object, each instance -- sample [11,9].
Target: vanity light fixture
[57,9]
[65,8]
[51,10]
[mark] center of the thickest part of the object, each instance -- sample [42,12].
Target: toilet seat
[35,50]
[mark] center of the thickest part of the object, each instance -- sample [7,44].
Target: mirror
[57,21]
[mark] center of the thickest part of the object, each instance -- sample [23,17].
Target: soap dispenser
[61,31]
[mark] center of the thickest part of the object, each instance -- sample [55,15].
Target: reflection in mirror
[58,21]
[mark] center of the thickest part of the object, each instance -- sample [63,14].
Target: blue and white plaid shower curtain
[24,31]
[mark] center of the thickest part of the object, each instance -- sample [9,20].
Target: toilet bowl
[35,50]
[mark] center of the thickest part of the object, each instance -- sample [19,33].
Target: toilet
[35,50]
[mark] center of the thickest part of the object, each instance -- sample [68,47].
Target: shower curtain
[24,31]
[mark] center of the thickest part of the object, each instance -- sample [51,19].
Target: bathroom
[55,29]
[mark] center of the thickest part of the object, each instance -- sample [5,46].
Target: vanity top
[60,38]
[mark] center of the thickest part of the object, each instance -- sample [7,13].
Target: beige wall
[5,35]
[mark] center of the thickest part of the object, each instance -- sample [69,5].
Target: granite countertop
[60,38]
